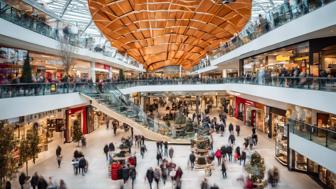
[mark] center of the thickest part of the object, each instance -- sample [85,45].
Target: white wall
[314,99]
[21,106]
[286,34]
[17,36]
[313,151]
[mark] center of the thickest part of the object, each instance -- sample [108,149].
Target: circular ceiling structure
[160,33]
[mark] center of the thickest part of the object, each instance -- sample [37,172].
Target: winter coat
[42,184]
[150,175]
[125,173]
[218,153]
[111,147]
[106,149]
[22,178]
[204,185]
[34,180]
[132,173]
[171,152]
[192,158]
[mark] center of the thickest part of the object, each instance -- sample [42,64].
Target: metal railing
[322,136]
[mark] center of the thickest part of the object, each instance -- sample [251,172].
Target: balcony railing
[37,89]
[322,136]
[41,27]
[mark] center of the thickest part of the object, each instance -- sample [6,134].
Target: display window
[75,114]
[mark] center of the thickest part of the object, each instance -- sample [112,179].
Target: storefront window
[281,141]
[300,162]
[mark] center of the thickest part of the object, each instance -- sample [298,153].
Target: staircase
[114,104]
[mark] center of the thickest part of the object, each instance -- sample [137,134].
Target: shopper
[214,187]
[82,165]
[238,130]
[58,151]
[42,183]
[125,173]
[230,127]
[115,127]
[143,149]
[59,160]
[255,139]
[52,184]
[204,184]
[132,174]
[164,171]
[157,176]
[158,157]
[8,185]
[34,180]
[232,139]
[107,123]
[179,174]
[223,169]
[22,179]
[192,159]
[171,152]
[237,153]
[218,155]
[243,157]
[150,176]
[165,148]
[111,147]
[229,152]
[62,184]
[83,141]
[106,150]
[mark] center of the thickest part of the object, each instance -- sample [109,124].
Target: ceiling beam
[68,2]
[86,27]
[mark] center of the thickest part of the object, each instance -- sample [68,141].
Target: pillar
[110,73]
[180,71]
[241,67]
[224,73]
[197,104]
[93,71]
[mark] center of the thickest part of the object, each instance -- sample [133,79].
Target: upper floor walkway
[285,26]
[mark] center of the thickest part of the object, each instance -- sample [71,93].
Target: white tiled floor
[97,177]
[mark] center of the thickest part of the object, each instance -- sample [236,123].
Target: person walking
[237,153]
[106,150]
[82,165]
[58,151]
[230,127]
[62,184]
[255,139]
[192,159]
[164,172]
[158,157]
[242,158]
[42,183]
[8,185]
[132,174]
[34,180]
[150,176]
[204,184]
[157,176]
[51,184]
[250,142]
[125,173]
[218,155]
[143,149]
[171,152]
[22,179]
[114,125]
[232,139]
[59,160]
[107,123]
[238,129]
[178,174]
[165,144]
[223,166]
[111,147]
[229,152]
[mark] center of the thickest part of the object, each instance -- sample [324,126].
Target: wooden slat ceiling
[160,33]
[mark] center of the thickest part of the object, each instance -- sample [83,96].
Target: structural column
[110,73]
[93,71]
[224,73]
[241,67]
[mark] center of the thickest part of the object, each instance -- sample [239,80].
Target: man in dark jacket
[82,165]
[34,180]
[237,129]
[192,159]
[243,157]
[229,151]
[22,179]
[158,157]
[150,176]
[132,174]
[58,151]
[111,147]
[230,127]
[125,173]
[42,183]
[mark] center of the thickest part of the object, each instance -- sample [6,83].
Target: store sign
[53,88]
[281,58]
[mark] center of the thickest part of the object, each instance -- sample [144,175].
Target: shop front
[73,115]
[319,173]
[252,113]
[277,129]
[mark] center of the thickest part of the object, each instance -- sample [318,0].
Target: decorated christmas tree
[76,132]
[256,167]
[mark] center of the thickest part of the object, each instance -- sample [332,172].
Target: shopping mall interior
[138,94]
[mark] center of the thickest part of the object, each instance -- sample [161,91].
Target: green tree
[121,75]
[24,153]
[33,141]
[7,147]
[76,132]
[26,71]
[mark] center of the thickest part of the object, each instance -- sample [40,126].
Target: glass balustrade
[36,89]
[322,136]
